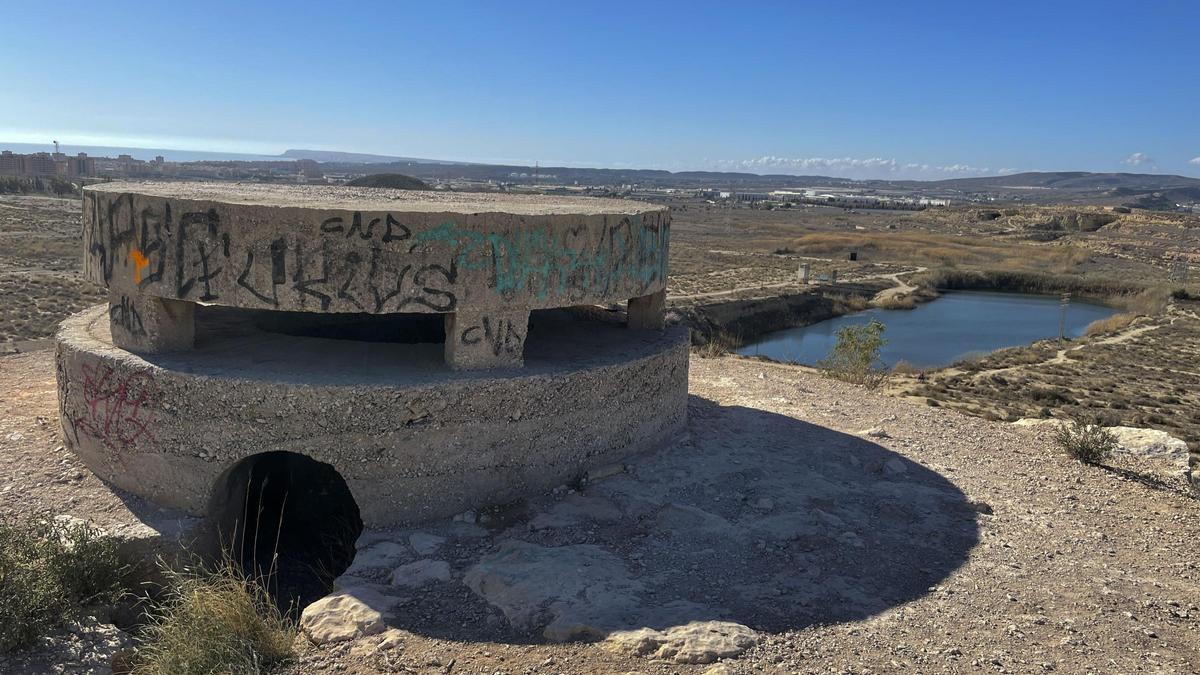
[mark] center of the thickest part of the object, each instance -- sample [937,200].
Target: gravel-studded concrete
[412,438]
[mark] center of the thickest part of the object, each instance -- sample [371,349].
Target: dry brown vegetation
[1112,324]
[41,253]
[215,622]
[1143,375]
[935,249]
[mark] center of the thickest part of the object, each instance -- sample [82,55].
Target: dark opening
[289,520]
[401,328]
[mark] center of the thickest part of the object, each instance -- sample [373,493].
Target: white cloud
[851,167]
[1194,160]
[1138,159]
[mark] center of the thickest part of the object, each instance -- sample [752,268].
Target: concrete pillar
[486,339]
[148,325]
[646,312]
[804,272]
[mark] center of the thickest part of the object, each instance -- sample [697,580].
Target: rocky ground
[801,525]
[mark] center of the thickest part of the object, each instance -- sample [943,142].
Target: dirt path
[848,530]
[901,288]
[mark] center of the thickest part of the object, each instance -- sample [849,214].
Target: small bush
[855,357]
[220,622]
[48,570]
[1085,440]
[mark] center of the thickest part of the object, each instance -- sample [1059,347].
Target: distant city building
[10,164]
[45,164]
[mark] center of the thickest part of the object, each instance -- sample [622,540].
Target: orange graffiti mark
[139,263]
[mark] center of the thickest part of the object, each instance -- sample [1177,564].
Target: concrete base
[413,438]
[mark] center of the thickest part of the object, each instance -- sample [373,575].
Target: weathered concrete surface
[340,249]
[413,439]
[149,325]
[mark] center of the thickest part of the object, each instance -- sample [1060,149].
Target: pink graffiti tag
[114,405]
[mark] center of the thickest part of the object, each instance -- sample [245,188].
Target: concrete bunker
[287,519]
[439,351]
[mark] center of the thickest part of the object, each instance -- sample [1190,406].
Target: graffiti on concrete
[544,262]
[498,334]
[126,315]
[364,262]
[114,406]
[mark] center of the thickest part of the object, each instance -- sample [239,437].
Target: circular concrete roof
[369,250]
[337,197]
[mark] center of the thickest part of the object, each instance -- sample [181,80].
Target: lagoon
[955,326]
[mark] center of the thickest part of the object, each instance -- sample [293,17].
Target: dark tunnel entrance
[288,520]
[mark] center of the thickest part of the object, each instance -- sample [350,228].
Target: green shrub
[219,622]
[1085,440]
[855,357]
[48,570]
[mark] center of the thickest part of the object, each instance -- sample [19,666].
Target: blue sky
[859,89]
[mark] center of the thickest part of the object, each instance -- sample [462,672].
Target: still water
[938,333]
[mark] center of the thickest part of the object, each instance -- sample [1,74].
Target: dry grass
[220,622]
[942,250]
[1114,323]
[1149,302]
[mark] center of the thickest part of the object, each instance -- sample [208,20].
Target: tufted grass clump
[215,622]
[49,571]
[1085,440]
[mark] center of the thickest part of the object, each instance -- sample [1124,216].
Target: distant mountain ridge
[356,157]
[1075,181]
[1148,188]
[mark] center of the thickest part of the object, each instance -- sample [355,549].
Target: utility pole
[1062,320]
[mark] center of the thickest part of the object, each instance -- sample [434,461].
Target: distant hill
[355,157]
[1072,181]
[396,181]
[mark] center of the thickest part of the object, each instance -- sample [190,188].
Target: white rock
[381,555]
[345,615]
[569,592]
[392,638]
[420,573]
[576,509]
[696,642]
[425,544]
[1150,443]
[895,466]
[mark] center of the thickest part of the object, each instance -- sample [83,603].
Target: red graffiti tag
[114,405]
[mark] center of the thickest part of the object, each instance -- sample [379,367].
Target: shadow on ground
[752,517]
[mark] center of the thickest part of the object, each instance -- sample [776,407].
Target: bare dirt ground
[850,531]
